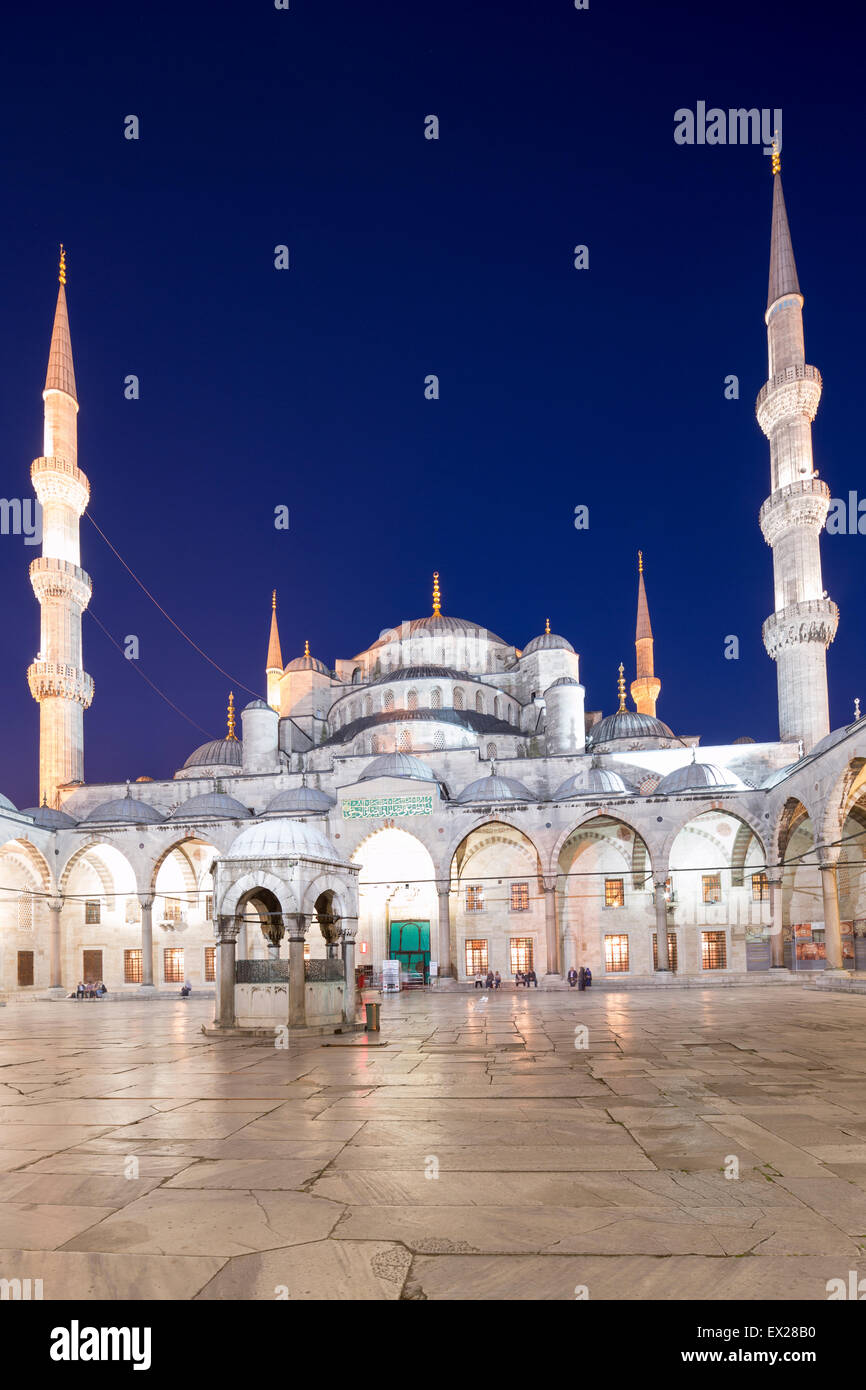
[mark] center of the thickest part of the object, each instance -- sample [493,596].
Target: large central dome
[437,622]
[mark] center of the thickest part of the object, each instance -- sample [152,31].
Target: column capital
[55,904]
[775,875]
[443,892]
[227,928]
[548,882]
[296,925]
[146,900]
[828,858]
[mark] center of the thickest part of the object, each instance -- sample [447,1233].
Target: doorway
[92,964]
[409,943]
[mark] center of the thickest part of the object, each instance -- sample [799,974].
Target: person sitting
[519,978]
[185,990]
[479,980]
[100,989]
[80,992]
[488,983]
[531,979]
[497,981]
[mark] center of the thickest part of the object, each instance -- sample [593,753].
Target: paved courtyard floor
[477,1154]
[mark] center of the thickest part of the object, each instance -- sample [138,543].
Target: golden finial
[231,717]
[274,601]
[547,627]
[621,688]
[62,276]
[640,562]
[306,649]
[776,158]
[437,597]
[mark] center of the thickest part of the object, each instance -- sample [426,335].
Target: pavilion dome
[124,810]
[547,642]
[219,752]
[299,801]
[627,723]
[210,806]
[283,839]
[598,781]
[398,765]
[496,788]
[47,818]
[694,777]
[258,704]
[563,680]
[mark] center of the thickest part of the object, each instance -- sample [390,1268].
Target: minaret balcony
[51,579]
[794,391]
[54,680]
[812,620]
[57,480]
[803,503]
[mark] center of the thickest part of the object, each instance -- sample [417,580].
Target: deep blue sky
[305,387]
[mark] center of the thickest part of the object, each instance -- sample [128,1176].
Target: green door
[409,943]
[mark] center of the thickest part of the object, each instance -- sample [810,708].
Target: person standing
[588,977]
[581,978]
[572,977]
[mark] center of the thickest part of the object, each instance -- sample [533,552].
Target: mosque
[444,798]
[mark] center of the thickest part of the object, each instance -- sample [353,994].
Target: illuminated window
[474,897]
[172,965]
[458,698]
[93,912]
[308,950]
[476,957]
[714,954]
[614,892]
[520,897]
[616,954]
[520,953]
[388,702]
[672,950]
[132,968]
[210,962]
[760,888]
[436,698]
[173,910]
[479,703]
[412,699]
[711,888]
[405,741]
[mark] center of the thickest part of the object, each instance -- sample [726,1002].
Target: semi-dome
[627,723]
[547,642]
[496,788]
[220,752]
[124,810]
[210,806]
[597,781]
[398,765]
[47,818]
[299,801]
[282,839]
[7,805]
[694,777]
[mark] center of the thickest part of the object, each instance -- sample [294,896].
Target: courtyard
[695,1143]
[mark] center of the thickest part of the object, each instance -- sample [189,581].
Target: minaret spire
[274,668]
[56,678]
[804,621]
[645,690]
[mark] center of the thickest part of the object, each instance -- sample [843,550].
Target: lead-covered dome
[597,781]
[283,839]
[47,818]
[308,663]
[124,810]
[627,723]
[219,752]
[697,777]
[496,788]
[547,642]
[210,806]
[398,765]
[299,801]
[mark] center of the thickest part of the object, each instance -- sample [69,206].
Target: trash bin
[372,1017]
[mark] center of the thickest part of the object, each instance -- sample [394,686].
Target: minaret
[644,690]
[56,678]
[804,623]
[274,668]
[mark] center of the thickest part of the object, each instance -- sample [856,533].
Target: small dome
[308,663]
[299,801]
[398,765]
[548,642]
[258,704]
[210,806]
[220,752]
[124,810]
[694,777]
[47,818]
[496,788]
[627,723]
[144,779]
[7,805]
[563,680]
[598,781]
[281,839]
[744,739]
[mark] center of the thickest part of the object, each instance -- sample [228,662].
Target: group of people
[582,977]
[493,979]
[89,990]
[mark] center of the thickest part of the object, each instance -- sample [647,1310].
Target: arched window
[377,744]
[439,739]
[497,707]
[491,751]
[412,699]
[479,703]
[405,741]
[356,675]
[458,698]
[388,702]
[436,698]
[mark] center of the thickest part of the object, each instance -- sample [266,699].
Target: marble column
[444,930]
[349,991]
[832,927]
[297,981]
[554,966]
[777,934]
[225,995]
[147,942]
[55,971]
[661,904]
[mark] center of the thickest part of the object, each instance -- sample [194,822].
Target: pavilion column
[777,924]
[444,930]
[55,971]
[554,966]
[227,929]
[661,905]
[297,981]
[832,927]
[349,990]
[147,941]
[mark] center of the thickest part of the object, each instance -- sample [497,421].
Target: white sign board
[390,976]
